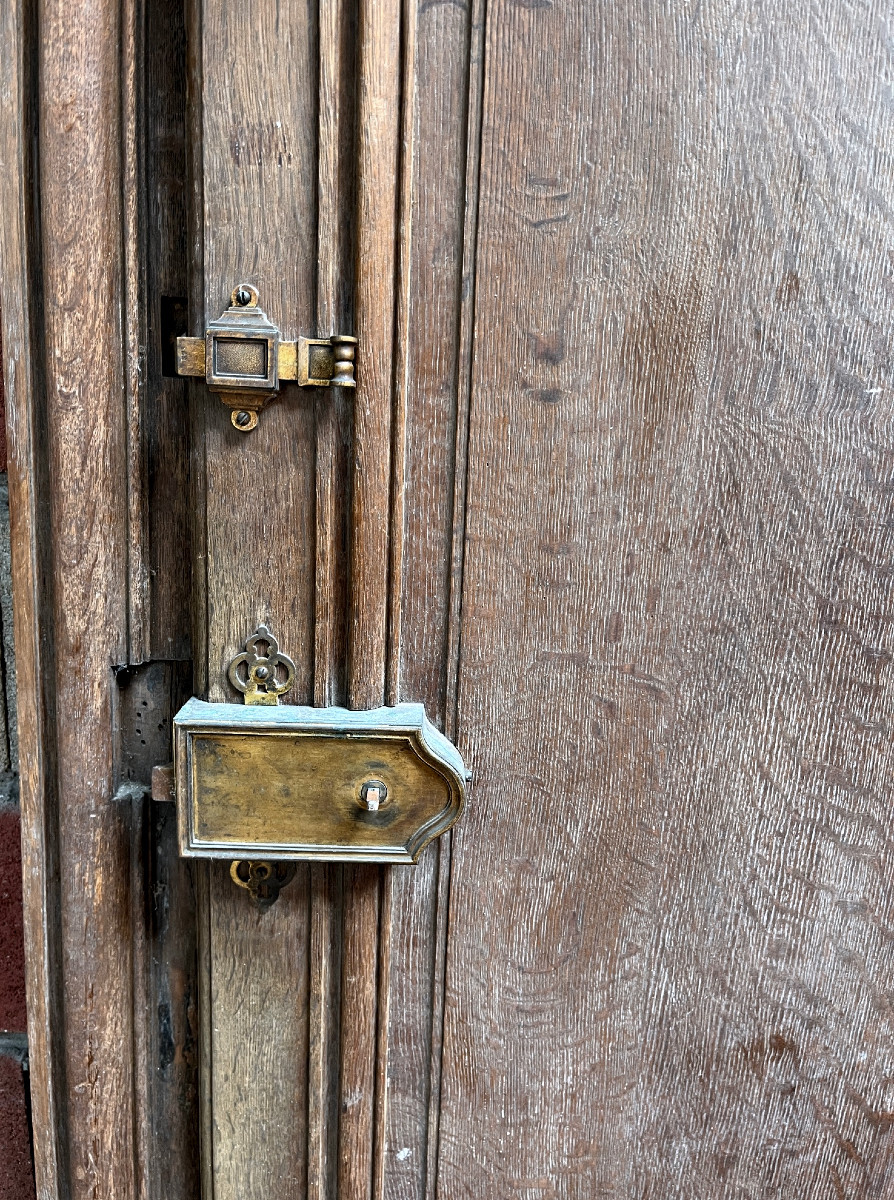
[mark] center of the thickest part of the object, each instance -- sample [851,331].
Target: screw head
[243,418]
[243,296]
[261,672]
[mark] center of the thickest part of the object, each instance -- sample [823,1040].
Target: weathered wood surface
[65,374]
[670,949]
[26,453]
[365,956]
[163,924]
[333,430]
[94,517]
[256,170]
[429,369]
[669,953]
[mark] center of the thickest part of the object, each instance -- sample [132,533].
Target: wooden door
[613,499]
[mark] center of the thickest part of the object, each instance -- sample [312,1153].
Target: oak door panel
[669,961]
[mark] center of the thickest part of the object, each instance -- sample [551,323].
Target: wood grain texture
[359,1025]
[253,100]
[377,166]
[173,1159]
[67,390]
[73,323]
[428,354]
[333,407]
[672,893]
[324,1028]
[258,174]
[163,923]
[333,432]
[259,1047]
[23,385]
[364,948]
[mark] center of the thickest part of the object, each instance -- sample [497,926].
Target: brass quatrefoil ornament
[261,685]
[262,678]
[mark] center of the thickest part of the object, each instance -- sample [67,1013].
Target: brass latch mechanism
[264,784]
[244,358]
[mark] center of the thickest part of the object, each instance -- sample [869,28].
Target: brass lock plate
[244,358]
[289,782]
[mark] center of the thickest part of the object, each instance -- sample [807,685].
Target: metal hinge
[244,358]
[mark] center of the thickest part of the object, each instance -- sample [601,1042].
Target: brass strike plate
[279,782]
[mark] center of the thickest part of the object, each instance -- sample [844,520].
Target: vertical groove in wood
[465,361]
[198,474]
[401,357]
[465,356]
[377,166]
[164,214]
[333,413]
[133,328]
[24,386]
[437,187]
[72,536]
[333,409]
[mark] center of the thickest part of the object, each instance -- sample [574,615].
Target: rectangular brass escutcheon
[309,362]
[244,358]
[289,782]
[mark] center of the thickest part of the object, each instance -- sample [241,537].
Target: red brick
[16,1171]
[12,951]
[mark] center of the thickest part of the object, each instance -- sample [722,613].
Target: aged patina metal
[261,684]
[244,358]
[263,880]
[289,782]
[264,784]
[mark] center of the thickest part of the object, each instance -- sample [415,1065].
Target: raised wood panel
[66,379]
[428,367]
[259,1041]
[258,175]
[27,475]
[669,958]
